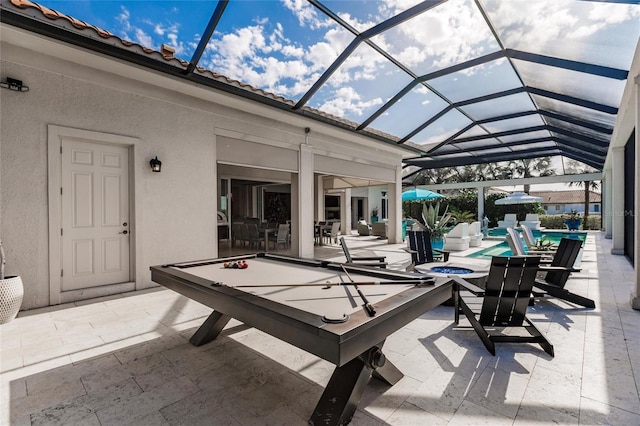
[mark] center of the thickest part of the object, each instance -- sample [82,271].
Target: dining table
[267,231]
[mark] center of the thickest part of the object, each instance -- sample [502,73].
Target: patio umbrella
[419,194]
[518,198]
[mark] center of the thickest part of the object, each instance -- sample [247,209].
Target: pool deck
[126,359]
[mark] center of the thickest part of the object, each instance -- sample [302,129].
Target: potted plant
[437,225]
[11,292]
[573,221]
[545,245]
[374,214]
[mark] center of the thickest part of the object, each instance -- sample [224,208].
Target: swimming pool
[502,249]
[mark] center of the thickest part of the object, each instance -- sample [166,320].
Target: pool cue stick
[416,282]
[367,306]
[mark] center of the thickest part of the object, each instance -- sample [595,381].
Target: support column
[480,204]
[319,197]
[635,295]
[345,212]
[617,205]
[302,185]
[394,198]
[607,202]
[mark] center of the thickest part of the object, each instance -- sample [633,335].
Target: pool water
[451,270]
[502,249]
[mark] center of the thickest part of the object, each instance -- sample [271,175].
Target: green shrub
[593,222]
[556,221]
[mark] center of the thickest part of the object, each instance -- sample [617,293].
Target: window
[596,208]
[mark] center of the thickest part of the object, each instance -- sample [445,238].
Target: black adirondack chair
[377,261]
[504,302]
[421,250]
[556,276]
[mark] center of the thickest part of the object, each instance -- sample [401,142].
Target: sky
[284,46]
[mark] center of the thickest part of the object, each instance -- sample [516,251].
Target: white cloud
[613,15]
[307,14]
[143,34]
[123,18]
[539,25]
[347,101]
[143,38]
[442,36]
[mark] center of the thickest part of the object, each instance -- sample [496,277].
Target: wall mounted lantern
[156,164]
[14,84]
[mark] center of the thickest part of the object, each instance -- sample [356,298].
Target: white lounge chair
[510,221]
[531,220]
[458,238]
[531,241]
[517,246]
[475,234]
[515,242]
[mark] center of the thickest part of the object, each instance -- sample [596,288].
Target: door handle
[125,232]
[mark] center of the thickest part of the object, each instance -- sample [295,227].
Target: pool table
[313,305]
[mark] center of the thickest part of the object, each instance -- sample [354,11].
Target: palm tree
[576,168]
[433,176]
[531,167]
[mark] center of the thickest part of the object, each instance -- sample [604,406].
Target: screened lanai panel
[499,106]
[364,14]
[525,136]
[575,111]
[474,131]
[355,91]
[603,90]
[260,43]
[470,145]
[453,156]
[491,151]
[514,123]
[584,157]
[602,33]
[407,170]
[579,130]
[445,126]
[450,33]
[491,77]
[595,145]
[418,105]
[450,161]
[523,145]
[446,149]
[285,53]
[533,146]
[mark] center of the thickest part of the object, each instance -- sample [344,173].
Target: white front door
[95,214]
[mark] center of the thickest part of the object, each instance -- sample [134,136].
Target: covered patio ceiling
[458,82]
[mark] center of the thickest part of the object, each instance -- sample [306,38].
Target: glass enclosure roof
[457,82]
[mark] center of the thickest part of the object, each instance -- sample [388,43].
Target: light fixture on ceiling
[156,165]
[14,84]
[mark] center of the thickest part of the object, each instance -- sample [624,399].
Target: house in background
[558,202]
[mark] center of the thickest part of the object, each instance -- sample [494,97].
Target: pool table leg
[210,329]
[346,386]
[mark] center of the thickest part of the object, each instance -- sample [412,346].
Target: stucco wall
[177,207]
[171,201]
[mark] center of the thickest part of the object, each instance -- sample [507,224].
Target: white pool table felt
[332,302]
